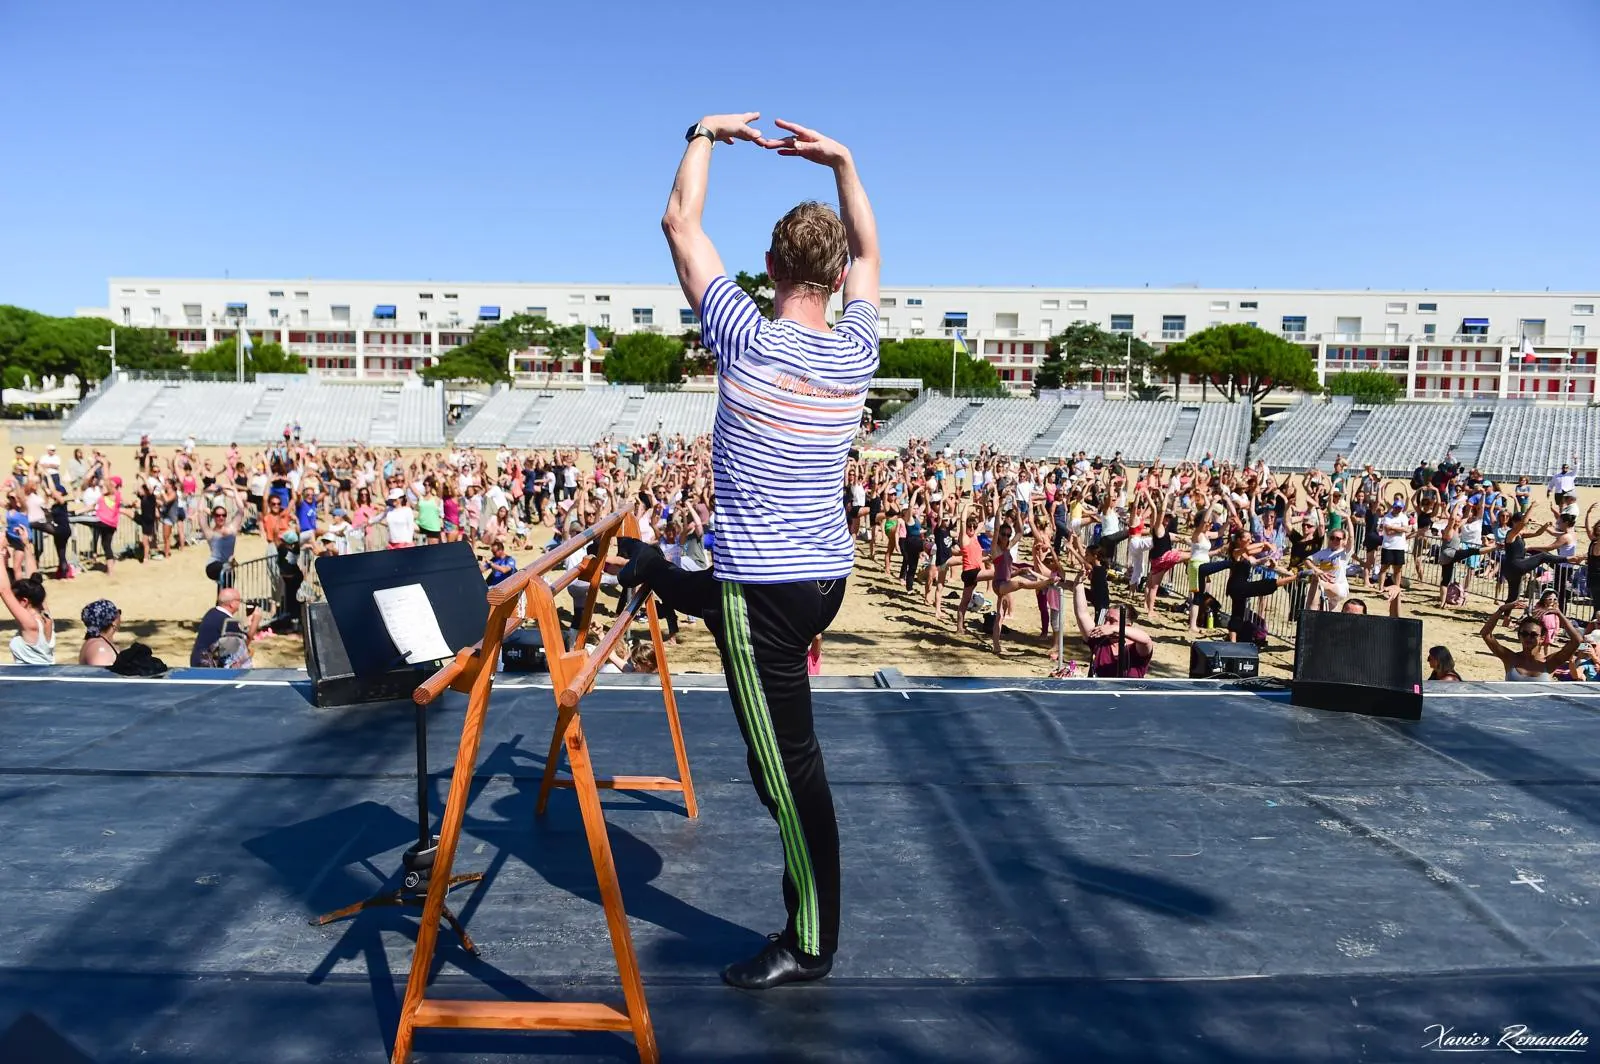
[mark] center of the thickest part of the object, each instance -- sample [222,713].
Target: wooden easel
[572,673]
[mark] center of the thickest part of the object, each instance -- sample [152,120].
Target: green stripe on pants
[752,706]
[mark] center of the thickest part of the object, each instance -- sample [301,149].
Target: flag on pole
[591,342]
[961,342]
[245,344]
[1527,350]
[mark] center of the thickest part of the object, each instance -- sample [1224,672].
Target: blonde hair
[809,247]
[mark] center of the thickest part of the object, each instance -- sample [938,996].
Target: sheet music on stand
[413,626]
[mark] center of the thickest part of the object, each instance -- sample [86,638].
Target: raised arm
[1569,649]
[693,255]
[1080,609]
[1496,648]
[861,229]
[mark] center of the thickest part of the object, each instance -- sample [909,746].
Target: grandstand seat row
[124,411]
[1503,439]
[1036,428]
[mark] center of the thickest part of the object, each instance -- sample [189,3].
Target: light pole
[112,348]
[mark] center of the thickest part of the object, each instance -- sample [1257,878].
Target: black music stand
[456,590]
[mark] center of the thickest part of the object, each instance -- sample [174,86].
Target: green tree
[482,358]
[1366,386]
[15,325]
[223,358]
[1241,361]
[63,347]
[1052,372]
[645,358]
[1085,347]
[929,361]
[759,288]
[1150,393]
[148,349]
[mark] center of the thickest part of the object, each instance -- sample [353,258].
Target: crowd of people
[1101,543]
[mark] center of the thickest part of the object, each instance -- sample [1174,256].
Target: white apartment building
[1440,345]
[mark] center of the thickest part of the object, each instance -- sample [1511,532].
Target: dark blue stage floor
[1035,872]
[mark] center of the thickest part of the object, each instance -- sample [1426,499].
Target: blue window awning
[955,315]
[488,313]
[238,306]
[1476,321]
[383,310]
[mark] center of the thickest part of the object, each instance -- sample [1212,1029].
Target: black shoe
[777,964]
[642,560]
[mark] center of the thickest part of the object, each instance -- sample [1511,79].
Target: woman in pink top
[452,516]
[108,514]
[361,515]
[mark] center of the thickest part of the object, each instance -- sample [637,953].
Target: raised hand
[808,144]
[729,128]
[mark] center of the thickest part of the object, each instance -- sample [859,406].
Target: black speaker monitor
[1358,663]
[333,680]
[1218,658]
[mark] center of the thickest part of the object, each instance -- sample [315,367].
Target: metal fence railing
[261,582]
[81,547]
[1280,611]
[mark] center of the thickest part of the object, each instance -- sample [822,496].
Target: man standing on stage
[791,395]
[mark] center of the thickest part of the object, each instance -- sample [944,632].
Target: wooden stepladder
[572,673]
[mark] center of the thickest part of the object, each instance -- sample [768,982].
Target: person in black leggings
[1241,589]
[1517,563]
[911,549]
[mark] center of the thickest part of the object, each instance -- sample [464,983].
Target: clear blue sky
[1425,143]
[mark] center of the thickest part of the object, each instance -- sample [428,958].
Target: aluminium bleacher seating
[922,421]
[1298,439]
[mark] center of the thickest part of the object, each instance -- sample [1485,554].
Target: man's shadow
[556,848]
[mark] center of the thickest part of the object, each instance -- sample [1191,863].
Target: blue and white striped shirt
[788,407]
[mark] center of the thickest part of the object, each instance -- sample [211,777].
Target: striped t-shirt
[788,407]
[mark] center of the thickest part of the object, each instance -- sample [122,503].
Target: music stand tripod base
[418,860]
[412,892]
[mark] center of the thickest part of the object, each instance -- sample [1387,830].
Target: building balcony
[399,350]
[340,373]
[558,379]
[192,347]
[1552,367]
[1438,393]
[1459,369]
[312,347]
[1357,365]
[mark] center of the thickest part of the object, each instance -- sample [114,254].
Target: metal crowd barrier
[81,545]
[1281,609]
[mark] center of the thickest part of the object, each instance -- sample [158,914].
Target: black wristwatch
[697,130]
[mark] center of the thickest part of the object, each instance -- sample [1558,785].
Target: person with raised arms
[791,394]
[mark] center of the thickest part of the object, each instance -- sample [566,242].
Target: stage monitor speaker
[333,681]
[1218,658]
[1358,663]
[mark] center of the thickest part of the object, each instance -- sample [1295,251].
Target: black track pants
[763,632]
